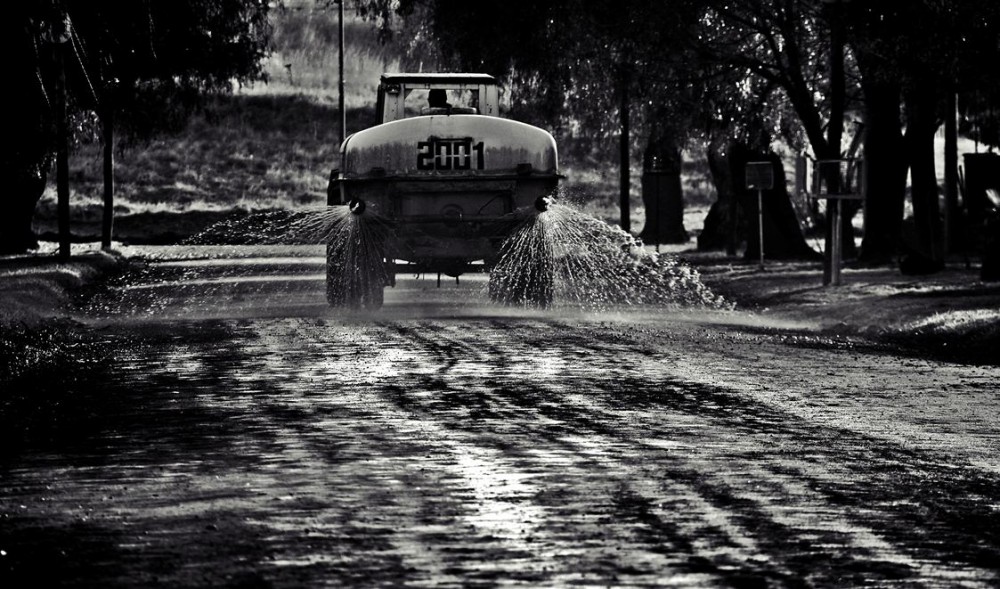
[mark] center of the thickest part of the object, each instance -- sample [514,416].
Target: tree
[142,64]
[28,152]
[754,71]
[912,56]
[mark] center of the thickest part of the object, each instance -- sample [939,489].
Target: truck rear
[443,175]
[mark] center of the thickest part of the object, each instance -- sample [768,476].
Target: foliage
[306,38]
[680,71]
[748,70]
[145,62]
[912,56]
[242,152]
[563,62]
[773,69]
[937,43]
[152,60]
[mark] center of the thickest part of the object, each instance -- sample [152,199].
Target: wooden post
[835,129]
[60,36]
[952,225]
[108,135]
[760,224]
[623,151]
[836,181]
[343,110]
[836,245]
[760,176]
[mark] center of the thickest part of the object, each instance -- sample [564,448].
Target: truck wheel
[351,282]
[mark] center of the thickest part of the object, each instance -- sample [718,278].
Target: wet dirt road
[240,434]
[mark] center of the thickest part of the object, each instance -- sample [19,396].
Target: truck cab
[402,96]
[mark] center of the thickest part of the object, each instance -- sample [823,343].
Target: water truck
[436,186]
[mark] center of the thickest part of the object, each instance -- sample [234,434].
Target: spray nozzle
[542,203]
[357,206]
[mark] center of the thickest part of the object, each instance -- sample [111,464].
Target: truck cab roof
[404,95]
[437,80]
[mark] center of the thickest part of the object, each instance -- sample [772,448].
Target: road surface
[224,428]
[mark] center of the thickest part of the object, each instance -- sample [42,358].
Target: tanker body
[443,176]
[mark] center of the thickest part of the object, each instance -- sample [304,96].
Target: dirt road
[229,430]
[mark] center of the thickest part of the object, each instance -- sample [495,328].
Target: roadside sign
[836,180]
[759,176]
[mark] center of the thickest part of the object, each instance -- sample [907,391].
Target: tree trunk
[24,185]
[982,227]
[885,168]
[952,215]
[722,224]
[921,124]
[62,154]
[662,194]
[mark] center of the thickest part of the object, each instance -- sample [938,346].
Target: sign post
[760,177]
[836,181]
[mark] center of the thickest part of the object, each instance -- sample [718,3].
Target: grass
[307,58]
[242,153]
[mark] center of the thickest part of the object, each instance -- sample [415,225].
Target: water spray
[580,260]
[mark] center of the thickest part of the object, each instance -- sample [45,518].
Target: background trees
[597,73]
[914,58]
[134,64]
[660,76]
[756,71]
[623,83]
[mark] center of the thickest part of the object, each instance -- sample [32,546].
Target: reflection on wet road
[245,435]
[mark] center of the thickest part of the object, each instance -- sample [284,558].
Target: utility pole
[343,111]
[623,151]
